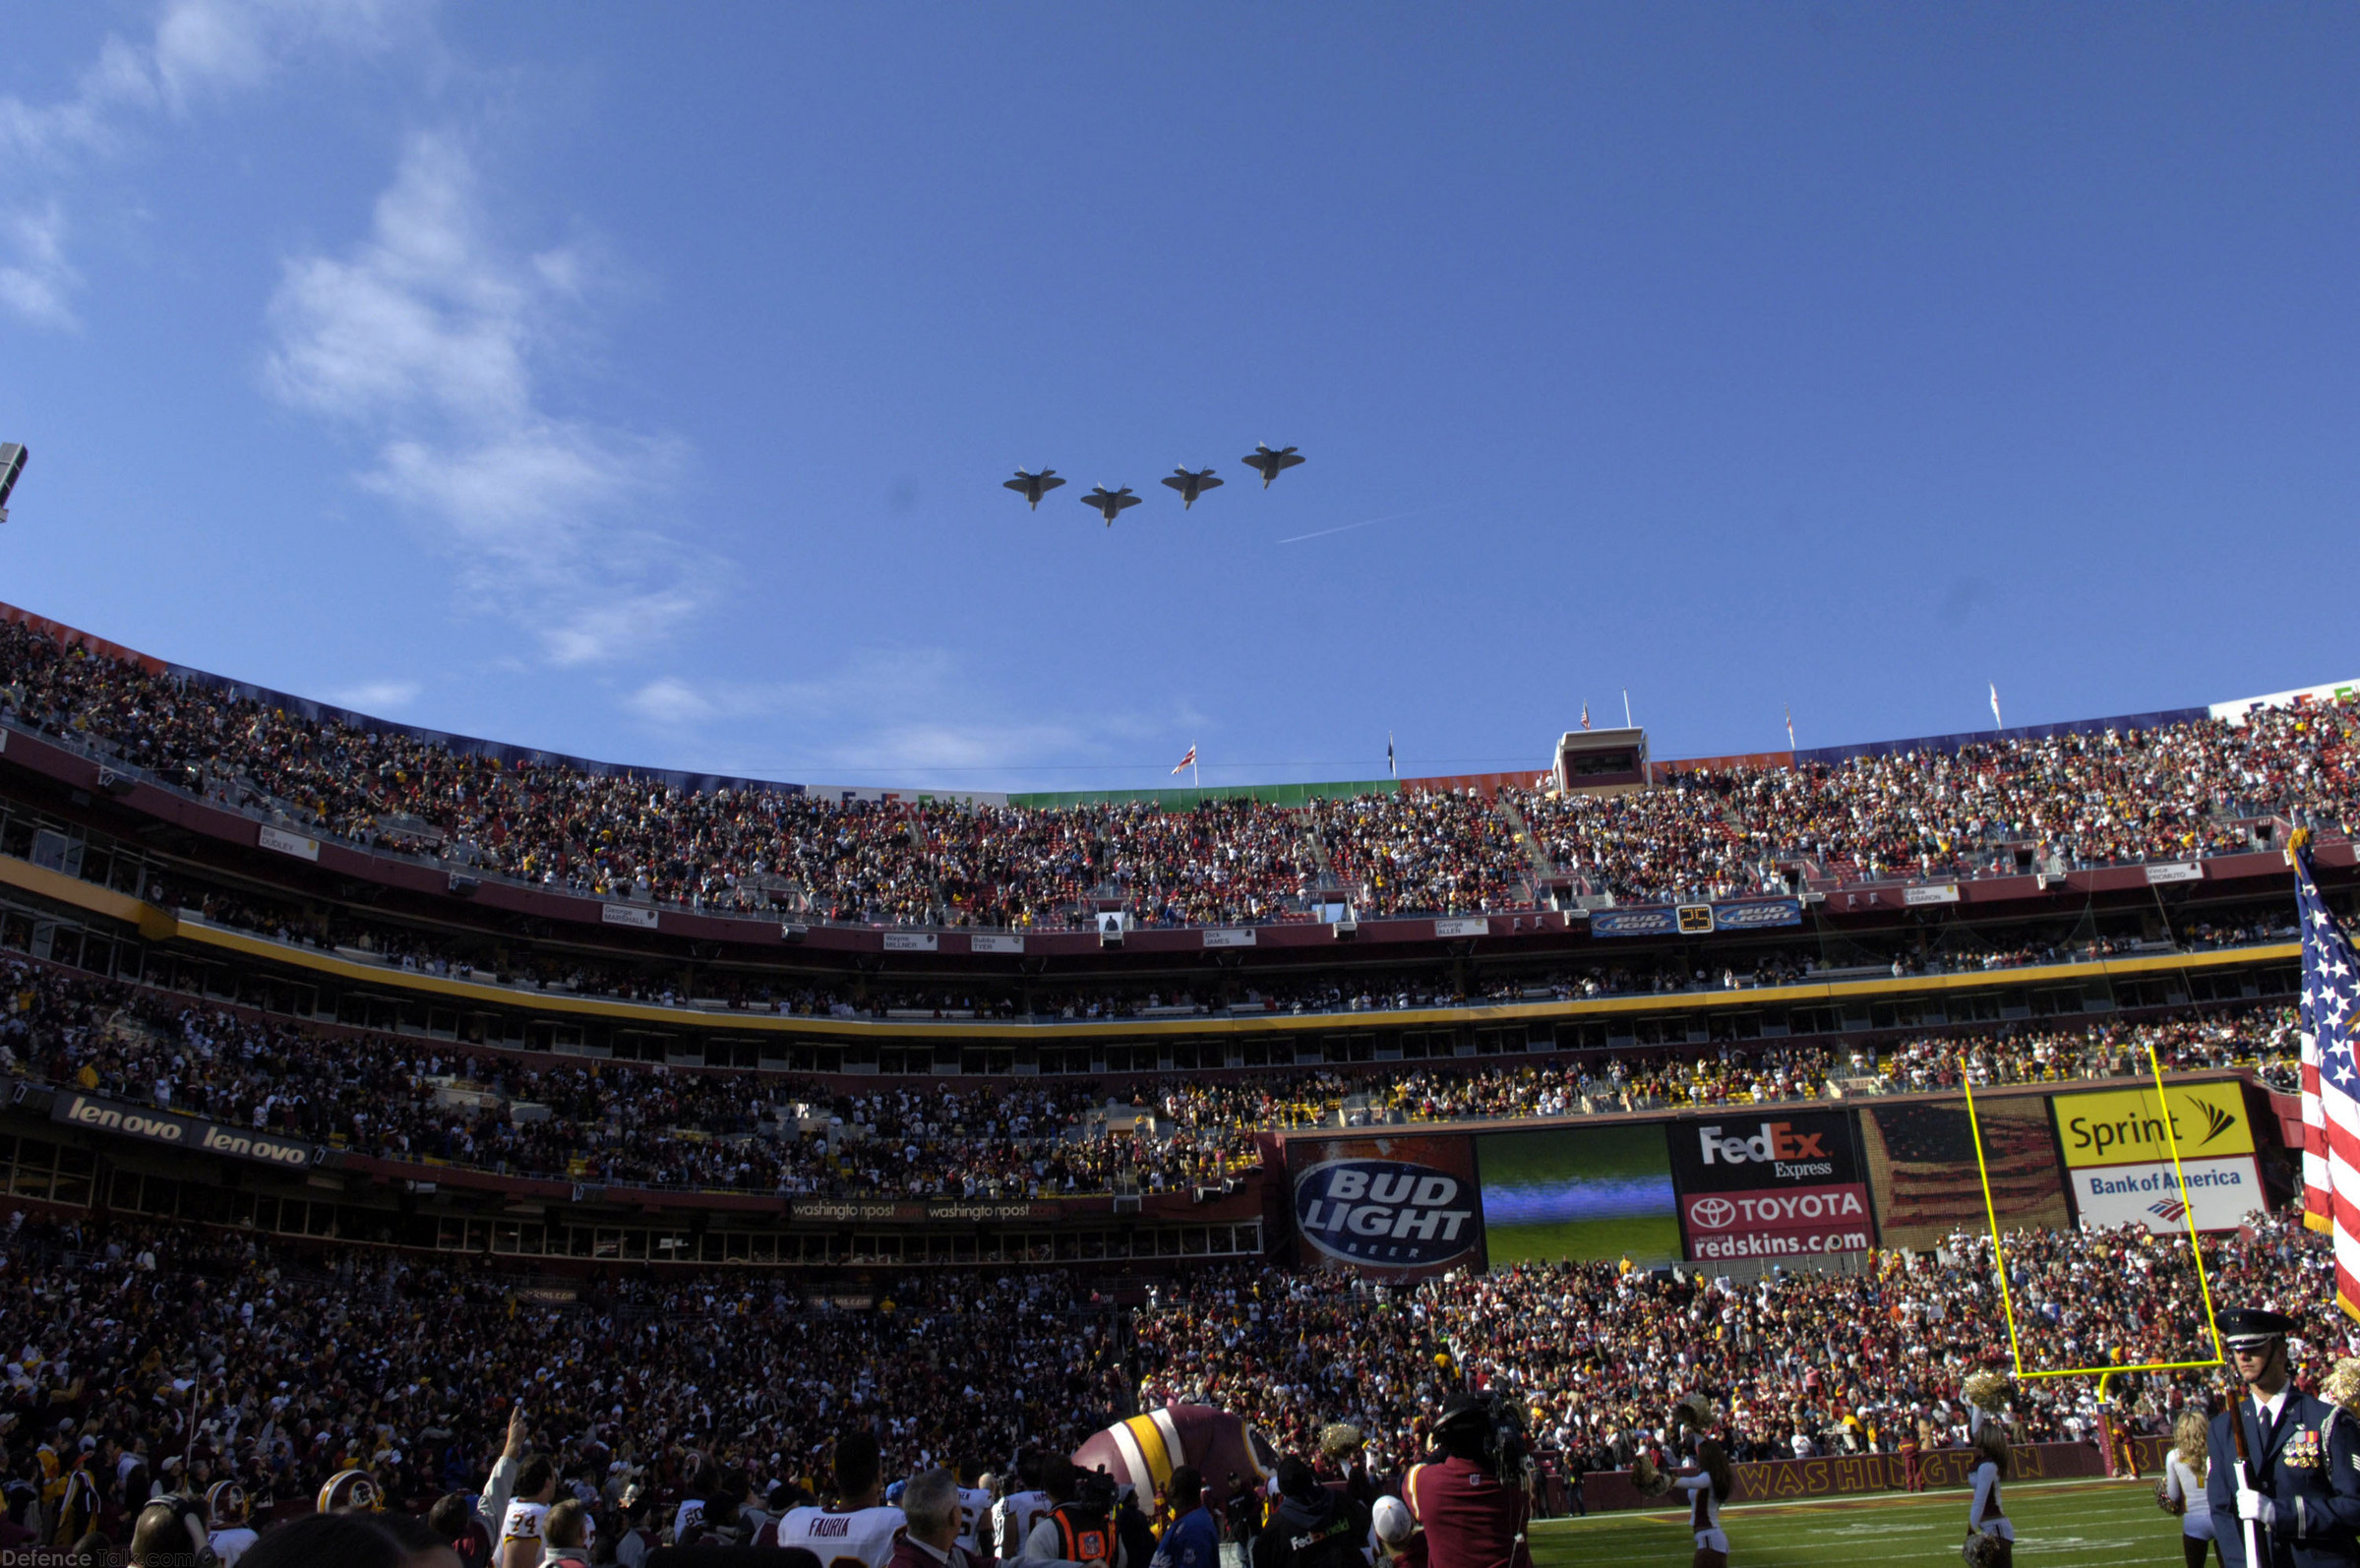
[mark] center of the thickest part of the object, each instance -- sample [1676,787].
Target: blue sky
[638,381]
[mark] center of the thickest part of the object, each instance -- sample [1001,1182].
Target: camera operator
[1472,1498]
[1312,1526]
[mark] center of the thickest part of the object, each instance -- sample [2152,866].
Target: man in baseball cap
[2302,1486]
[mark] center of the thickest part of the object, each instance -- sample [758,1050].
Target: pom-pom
[1646,1480]
[1695,1411]
[1340,1439]
[1988,1389]
[2341,1386]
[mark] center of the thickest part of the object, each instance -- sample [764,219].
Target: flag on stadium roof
[2331,1078]
[1188,761]
[1585,713]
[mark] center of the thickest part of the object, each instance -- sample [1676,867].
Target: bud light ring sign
[1386,1213]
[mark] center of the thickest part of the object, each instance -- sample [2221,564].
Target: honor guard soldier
[2300,1485]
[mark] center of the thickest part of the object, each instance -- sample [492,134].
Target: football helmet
[351,1491]
[1143,1452]
[226,1502]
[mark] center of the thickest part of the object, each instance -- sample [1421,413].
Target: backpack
[1084,1534]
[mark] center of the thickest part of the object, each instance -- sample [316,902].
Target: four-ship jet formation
[1187,483]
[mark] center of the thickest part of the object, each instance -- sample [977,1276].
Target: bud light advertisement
[1771,1185]
[1395,1205]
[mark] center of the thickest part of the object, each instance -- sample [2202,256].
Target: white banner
[984,941]
[911,941]
[2333,692]
[1478,927]
[1228,939]
[628,914]
[2221,1191]
[1938,893]
[294,844]
[2177,873]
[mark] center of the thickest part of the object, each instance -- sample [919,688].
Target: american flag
[2331,1080]
[1186,762]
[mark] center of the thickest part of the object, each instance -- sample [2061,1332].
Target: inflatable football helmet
[1143,1452]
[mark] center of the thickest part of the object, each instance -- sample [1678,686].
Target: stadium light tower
[11,463]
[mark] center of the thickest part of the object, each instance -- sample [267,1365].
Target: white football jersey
[524,1521]
[975,1511]
[861,1538]
[1013,1521]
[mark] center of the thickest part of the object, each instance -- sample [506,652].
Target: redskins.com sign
[1775,1185]
[1387,1214]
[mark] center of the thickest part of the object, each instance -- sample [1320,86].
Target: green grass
[2068,1525]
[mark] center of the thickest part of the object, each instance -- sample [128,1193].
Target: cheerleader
[2182,1491]
[1708,1483]
[1991,1537]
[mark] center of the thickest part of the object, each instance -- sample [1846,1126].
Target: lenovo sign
[1785,1185]
[186,1132]
[1386,1214]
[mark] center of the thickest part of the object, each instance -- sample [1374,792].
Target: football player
[858,1532]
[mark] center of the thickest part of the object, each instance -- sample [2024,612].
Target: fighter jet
[1110,502]
[1270,465]
[1190,484]
[1032,487]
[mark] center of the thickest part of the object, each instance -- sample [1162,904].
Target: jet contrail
[1369,523]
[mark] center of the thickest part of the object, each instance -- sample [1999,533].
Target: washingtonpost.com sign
[2222,1192]
[1799,1222]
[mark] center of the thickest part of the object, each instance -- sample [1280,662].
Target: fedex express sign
[1771,1187]
[1792,1154]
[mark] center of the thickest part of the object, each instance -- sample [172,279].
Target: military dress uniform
[2306,1464]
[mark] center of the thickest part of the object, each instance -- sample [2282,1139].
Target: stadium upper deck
[2191,795]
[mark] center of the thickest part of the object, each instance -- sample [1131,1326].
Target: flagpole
[1195,770]
[1627,709]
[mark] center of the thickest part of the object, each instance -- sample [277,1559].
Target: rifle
[2245,1460]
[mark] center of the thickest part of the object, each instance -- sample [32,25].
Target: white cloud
[377,698]
[201,50]
[915,716]
[36,279]
[423,337]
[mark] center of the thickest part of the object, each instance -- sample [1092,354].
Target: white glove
[2252,1505]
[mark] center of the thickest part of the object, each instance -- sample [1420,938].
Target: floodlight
[11,463]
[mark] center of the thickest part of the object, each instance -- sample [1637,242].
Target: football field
[2066,1525]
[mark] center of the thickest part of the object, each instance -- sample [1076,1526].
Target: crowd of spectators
[618,1123]
[1797,1363]
[157,1358]
[2067,800]
[147,1360]
[1364,989]
[612,1122]
[2070,800]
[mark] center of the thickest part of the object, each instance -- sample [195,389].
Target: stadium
[1039,786]
[395,1028]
